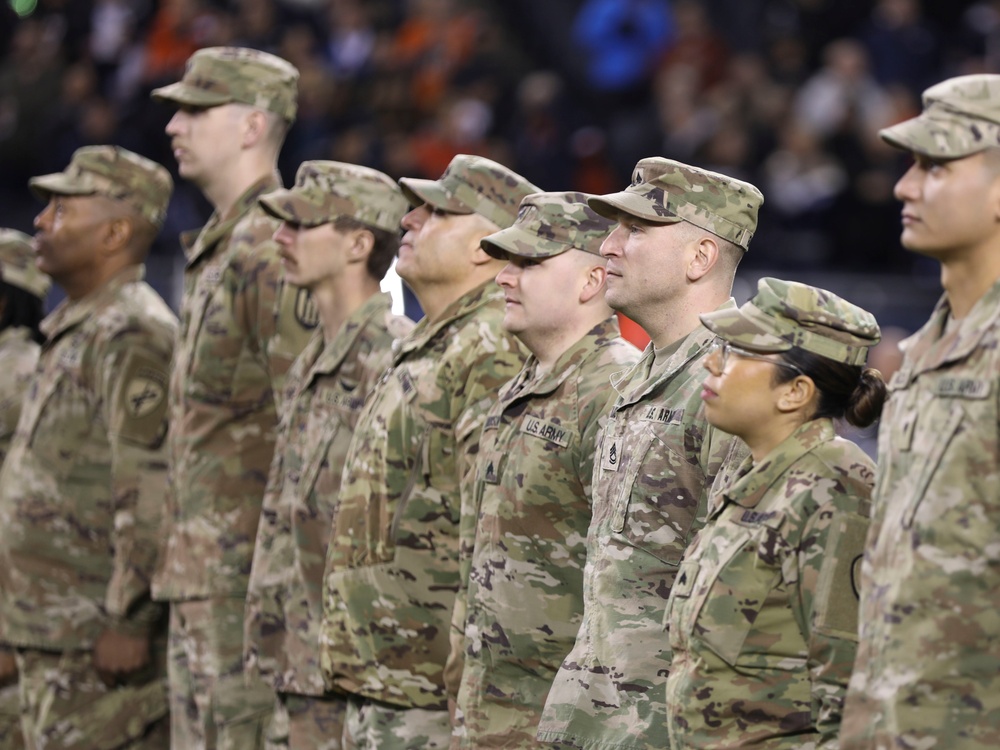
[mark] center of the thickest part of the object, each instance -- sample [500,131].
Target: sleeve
[279,318]
[473,400]
[829,560]
[134,376]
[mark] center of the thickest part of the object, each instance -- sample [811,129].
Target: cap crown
[549,224]
[473,184]
[961,117]
[17,263]
[219,75]
[327,190]
[666,191]
[115,173]
[784,314]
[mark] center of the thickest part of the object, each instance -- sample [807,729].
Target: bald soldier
[927,673]
[82,489]
[524,596]
[338,237]
[392,567]
[241,329]
[680,234]
[22,295]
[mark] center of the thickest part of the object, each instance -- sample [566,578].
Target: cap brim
[520,243]
[181,93]
[59,183]
[419,192]
[733,326]
[933,135]
[289,206]
[631,204]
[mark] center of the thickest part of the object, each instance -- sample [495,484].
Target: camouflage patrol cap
[549,224]
[961,117]
[113,172]
[784,314]
[220,75]
[17,264]
[664,191]
[472,185]
[327,190]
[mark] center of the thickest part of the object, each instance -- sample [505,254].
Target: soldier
[525,591]
[338,237]
[392,568]
[763,614]
[22,294]
[83,485]
[240,332]
[927,673]
[681,233]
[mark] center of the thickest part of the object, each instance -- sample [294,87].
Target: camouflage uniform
[81,491]
[327,387]
[19,354]
[927,673]
[241,329]
[523,598]
[763,614]
[392,568]
[656,460]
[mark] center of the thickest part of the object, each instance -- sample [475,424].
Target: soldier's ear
[117,234]
[704,253]
[254,128]
[596,278]
[797,394]
[362,242]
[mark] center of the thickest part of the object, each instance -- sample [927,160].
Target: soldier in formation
[82,489]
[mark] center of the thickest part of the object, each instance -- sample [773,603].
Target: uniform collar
[467,304]
[925,350]
[70,314]
[199,241]
[329,357]
[691,346]
[529,383]
[753,481]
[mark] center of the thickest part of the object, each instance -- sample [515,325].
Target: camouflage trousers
[379,726]
[211,705]
[498,710]
[11,737]
[307,722]
[66,706]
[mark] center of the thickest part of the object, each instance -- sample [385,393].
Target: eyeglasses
[724,349]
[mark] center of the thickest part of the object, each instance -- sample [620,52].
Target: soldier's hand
[8,668]
[117,655]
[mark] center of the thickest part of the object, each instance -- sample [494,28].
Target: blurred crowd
[788,94]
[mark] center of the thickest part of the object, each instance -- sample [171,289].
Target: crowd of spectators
[788,94]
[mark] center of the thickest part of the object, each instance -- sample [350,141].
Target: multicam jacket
[241,328]
[82,491]
[392,566]
[763,613]
[327,387]
[525,592]
[928,668]
[19,354]
[656,461]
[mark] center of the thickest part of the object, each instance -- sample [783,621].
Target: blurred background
[788,94]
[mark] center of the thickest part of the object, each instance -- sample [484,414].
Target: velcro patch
[663,415]
[306,312]
[837,588]
[610,459]
[963,387]
[141,412]
[550,431]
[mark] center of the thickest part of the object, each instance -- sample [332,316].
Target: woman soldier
[763,614]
